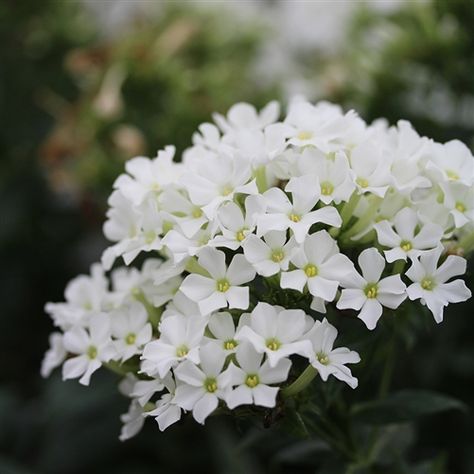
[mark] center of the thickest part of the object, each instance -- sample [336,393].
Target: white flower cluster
[259,209]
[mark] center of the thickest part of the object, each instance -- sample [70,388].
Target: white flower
[55,355]
[166,412]
[222,288]
[90,349]
[270,255]
[297,215]
[329,361]
[405,241]
[131,329]
[202,386]
[370,292]
[180,337]
[132,421]
[253,379]
[222,327]
[430,281]
[236,225]
[459,199]
[217,180]
[320,266]
[148,176]
[275,331]
[452,162]
[371,172]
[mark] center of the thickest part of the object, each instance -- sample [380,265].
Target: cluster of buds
[320,206]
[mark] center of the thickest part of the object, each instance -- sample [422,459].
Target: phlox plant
[261,233]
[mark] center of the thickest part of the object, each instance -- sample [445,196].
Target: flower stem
[349,207]
[305,378]
[364,221]
[154,313]
[261,178]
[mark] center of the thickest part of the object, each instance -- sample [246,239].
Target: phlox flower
[222,287]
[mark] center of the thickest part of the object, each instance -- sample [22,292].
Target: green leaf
[405,405]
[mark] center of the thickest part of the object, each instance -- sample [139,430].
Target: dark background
[53,196]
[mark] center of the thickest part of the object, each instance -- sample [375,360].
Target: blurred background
[85,85]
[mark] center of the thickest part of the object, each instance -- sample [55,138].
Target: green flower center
[230,344]
[327,188]
[371,290]
[223,285]
[406,245]
[277,255]
[226,190]
[460,207]
[428,284]
[310,270]
[452,175]
[240,235]
[182,351]
[130,338]
[294,217]
[92,352]
[273,344]
[210,384]
[252,380]
[197,213]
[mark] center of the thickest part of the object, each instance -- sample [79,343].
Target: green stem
[364,221]
[349,207]
[154,313]
[192,266]
[261,178]
[467,242]
[305,378]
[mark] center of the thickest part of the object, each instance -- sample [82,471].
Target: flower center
[294,217]
[362,182]
[240,235]
[452,175]
[371,290]
[277,255]
[226,190]
[210,384]
[310,270]
[150,236]
[130,338]
[322,358]
[197,213]
[92,352]
[230,344]
[406,245]
[327,188]
[273,344]
[428,284]
[223,285]
[182,351]
[304,135]
[252,380]
[460,207]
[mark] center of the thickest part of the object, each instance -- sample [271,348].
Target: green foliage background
[59,155]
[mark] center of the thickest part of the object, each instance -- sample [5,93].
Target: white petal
[370,313]
[238,297]
[240,271]
[351,298]
[222,326]
[372,264]
[198,287]
[265,396]
[213,261]
[204,407]
[242,395]
[295,280]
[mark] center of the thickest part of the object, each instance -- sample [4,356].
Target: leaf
[405,405]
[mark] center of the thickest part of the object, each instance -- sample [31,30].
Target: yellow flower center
[406,246]
[230,344]
[460,207]
[452,175]
[428,284]
[304,135]
[197,213]
[371,290]
[226,190]
[240,235]
[277,255]
[223,286]
[210,384]
[273,344]
[327,188]
[252,380]
[310,270]
[150,236]
[322,358]
[92,352]
[362,182]
[130,338]
[182,351]
[294,217]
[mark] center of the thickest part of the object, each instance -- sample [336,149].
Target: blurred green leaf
[405,405]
